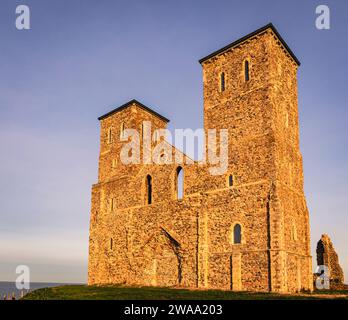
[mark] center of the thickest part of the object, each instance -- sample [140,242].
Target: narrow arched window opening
[246,70]
[122,130]
[112,204]
[230,180]
[222,81]
[111,243]
[109,136]
[237,234]
[142,131]
[149,189]
[179,183]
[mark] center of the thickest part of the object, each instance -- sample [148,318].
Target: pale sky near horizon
[82,58]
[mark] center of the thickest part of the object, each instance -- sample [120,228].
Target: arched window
[95,217]
[112,204]
[246,70]
[149,189]
[111,243]
[109,136]
[230,180]
[237,234]
[122,131]
[222,81]
[179,183]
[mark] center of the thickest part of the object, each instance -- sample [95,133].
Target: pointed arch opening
[179,183]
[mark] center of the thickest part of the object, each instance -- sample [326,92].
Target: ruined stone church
[245,230]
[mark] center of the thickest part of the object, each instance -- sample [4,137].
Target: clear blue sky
[82,58]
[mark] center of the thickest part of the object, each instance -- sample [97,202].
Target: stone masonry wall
[326,255]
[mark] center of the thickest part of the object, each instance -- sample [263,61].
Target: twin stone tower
[247,229]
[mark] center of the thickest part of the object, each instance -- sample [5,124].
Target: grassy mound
[81,292]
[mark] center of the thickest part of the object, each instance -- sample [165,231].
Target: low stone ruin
[327,256]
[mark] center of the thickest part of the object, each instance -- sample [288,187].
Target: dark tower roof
[129,103]
[235,43]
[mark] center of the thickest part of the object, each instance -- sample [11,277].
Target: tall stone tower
[245,229]
[250,88]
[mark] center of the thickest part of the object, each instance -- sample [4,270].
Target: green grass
[80,292]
